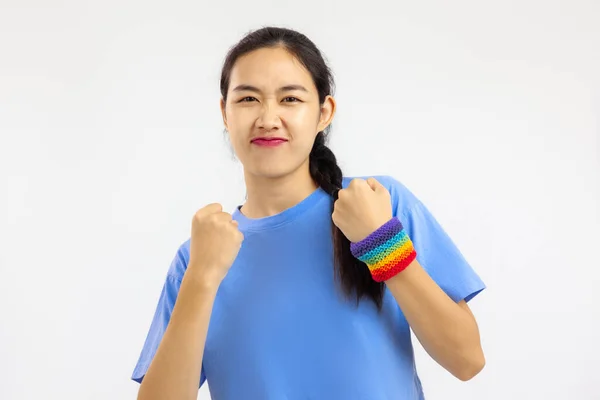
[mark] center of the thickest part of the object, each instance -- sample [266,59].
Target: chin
[273,171]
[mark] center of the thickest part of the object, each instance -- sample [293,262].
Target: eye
[247,99]
[291,100]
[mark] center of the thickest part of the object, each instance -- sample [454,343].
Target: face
[272,113]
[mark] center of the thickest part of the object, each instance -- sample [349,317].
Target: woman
[310,288]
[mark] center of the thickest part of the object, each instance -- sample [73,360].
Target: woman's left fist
[362,208]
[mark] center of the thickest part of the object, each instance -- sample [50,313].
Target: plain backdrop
[111,139]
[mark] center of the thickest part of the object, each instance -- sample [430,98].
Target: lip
[268,141]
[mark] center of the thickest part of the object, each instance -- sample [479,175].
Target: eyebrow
[287,88]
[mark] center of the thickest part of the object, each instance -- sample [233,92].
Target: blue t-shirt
[280,327]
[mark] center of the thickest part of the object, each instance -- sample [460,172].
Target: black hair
[354,276]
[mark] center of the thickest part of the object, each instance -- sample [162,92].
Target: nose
[269,118]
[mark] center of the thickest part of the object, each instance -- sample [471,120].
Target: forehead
[270,68]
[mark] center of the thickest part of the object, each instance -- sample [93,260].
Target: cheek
[301,121]
[242,116]
[239,125]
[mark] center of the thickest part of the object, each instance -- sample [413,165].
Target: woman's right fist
[214,244]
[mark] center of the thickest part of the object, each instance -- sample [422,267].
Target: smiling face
[272,112]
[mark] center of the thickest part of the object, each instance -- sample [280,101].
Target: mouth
[268,141]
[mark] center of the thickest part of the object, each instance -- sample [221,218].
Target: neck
[270,196]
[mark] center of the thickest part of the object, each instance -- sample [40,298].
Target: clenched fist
[215,243]
[362,208]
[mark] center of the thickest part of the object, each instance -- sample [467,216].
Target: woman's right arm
[175,370]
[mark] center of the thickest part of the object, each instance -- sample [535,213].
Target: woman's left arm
[446,330]
[445,326]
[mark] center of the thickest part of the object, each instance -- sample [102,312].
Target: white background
[111,139]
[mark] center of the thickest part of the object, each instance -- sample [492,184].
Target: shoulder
[403,199]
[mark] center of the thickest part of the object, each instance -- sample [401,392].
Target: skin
[272,94]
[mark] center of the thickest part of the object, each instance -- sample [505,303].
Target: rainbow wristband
[387,251]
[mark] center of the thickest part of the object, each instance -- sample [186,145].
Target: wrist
[387,251]
[203,280]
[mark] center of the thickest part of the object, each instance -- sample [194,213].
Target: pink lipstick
[269,141]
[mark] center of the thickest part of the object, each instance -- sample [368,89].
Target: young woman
[310,288]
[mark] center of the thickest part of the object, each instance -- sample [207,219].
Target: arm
[439,317]
[185,308]
[447,330]
[175,370]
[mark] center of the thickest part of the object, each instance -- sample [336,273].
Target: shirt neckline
[284,217]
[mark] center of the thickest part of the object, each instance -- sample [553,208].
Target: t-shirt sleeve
[439,255]
[436,251]
[162,316]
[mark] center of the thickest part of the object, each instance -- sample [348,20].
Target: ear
[223,112]
[328,109]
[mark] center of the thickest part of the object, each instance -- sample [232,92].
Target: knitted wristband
[387,251]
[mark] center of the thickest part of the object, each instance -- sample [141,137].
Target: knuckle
[214,207]
[224,216]
[208,209]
